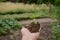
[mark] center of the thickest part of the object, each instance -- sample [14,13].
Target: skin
[27,35]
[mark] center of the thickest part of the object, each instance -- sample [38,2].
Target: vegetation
[56,26]
[16,8]
[56,2]
[31,11]
[56,31]
[19,8]
[3,0]
[9,26]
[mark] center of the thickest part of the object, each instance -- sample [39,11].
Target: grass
[26,15]
[15,10]
[40,14]
[56,26]
[31,11]
[56,31]
[12,8]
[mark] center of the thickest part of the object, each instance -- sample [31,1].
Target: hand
[27,35]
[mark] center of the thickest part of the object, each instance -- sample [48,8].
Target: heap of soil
[33,27]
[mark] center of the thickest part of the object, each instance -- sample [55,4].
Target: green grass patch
[56,31]
[26,15]
[9,26]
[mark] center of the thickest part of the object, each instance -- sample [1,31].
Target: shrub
[3,0]
[9,26]
[39,1]
[57,2]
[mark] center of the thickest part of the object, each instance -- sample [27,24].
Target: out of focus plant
[3,0]
[9,26]
[56,31]
[57,2]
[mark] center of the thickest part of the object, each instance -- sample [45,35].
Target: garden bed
[45,33]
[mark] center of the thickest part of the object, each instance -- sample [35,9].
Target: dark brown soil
[33,27]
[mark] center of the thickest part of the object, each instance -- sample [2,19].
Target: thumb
[25,31]
[36,35]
